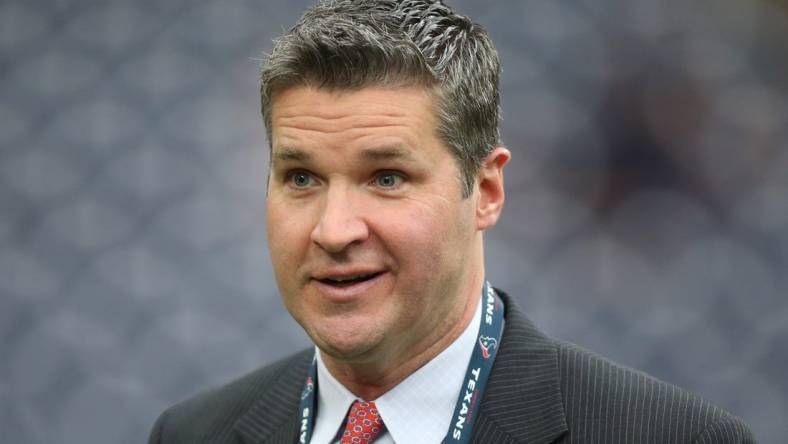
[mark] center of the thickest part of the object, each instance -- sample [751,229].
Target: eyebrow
[291,154]
[392,152]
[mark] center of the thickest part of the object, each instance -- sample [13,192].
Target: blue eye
[388,180]
[300,179]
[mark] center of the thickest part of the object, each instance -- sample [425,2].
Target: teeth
[348,278]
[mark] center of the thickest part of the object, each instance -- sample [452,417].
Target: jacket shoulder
[608,402]
[211,415]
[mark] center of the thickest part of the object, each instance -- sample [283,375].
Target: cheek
[288,232]
[422,237]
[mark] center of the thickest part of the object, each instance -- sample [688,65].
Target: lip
[350,292]
[344,273]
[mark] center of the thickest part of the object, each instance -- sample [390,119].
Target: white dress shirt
[417,410]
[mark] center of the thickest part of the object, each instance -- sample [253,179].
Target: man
[386,168]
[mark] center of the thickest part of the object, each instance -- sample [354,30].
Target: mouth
[348,280]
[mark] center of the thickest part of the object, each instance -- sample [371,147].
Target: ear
[491,193]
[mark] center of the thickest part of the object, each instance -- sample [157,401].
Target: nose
[341,222]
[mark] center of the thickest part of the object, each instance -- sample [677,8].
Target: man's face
[373,246]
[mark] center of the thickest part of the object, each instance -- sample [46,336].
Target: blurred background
[646,215]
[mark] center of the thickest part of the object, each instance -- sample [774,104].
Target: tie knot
[363,424]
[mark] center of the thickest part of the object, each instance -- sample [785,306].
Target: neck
[372,378]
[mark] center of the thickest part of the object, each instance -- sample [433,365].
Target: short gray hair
[352,44]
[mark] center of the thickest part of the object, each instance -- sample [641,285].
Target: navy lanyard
[474,382]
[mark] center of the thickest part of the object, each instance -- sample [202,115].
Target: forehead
[340,107]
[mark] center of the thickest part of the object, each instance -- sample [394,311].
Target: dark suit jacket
[540,391]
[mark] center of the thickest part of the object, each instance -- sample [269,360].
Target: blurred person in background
[386,169]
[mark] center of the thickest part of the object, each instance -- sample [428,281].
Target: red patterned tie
[363,424]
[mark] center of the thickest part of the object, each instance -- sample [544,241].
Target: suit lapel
[522,403]
[273,419]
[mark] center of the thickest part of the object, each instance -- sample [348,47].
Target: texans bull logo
[310,386]
[487,345]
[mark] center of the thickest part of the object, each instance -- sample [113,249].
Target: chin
[345,345]
[345,351]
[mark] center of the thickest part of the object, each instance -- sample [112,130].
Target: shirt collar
[333,403]
[418,409]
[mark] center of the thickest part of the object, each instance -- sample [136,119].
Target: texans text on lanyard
[469,399]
